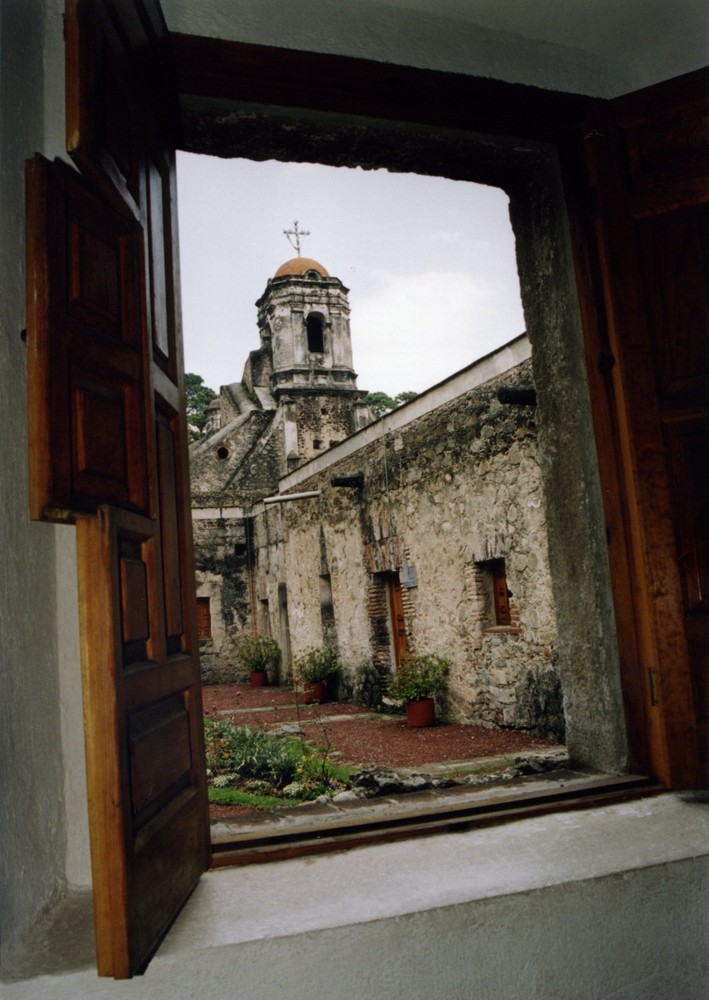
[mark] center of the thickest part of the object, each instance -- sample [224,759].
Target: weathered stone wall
[443,496]
[221,548]
[258,368]
[323,421]
[239,467]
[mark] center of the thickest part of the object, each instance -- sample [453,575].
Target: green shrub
[260,766]
[257,652]
[315,665]
[419,675]
[243,752]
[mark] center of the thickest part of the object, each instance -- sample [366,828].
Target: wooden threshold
[322,837]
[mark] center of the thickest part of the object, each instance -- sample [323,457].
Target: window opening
[327,611]
[397,618]
[316,335]
[500,593]
[398,641]
[204,619]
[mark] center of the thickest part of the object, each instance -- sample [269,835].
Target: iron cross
[297,235]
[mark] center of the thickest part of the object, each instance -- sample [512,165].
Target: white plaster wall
[604,48]
[42,807]
[78,861]
[592,905]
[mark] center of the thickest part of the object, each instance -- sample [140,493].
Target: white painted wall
[598,47]
[42,806]
[577,906]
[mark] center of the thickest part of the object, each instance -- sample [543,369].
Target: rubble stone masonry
[448,499]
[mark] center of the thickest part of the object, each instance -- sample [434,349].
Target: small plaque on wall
[408,577]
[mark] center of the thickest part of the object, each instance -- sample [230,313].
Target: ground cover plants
[251,766]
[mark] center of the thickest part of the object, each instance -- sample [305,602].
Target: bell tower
[304,323]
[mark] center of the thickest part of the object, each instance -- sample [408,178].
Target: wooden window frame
[501,595]
[295,119]
[289,115]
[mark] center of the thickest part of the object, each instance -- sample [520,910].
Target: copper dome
[299,266]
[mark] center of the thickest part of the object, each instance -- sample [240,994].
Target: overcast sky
[429,264]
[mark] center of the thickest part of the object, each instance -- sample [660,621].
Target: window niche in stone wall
[204,620]
[327,611]
[316,334]
[499,611]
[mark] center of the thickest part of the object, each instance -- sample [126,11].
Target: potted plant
[258,655]
[419,678]
[311,670]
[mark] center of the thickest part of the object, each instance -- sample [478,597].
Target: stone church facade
[424,530]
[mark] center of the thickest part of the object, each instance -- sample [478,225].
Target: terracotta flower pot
[259,678]
[313,691]
[421,712]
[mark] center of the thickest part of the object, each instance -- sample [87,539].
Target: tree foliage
[198,396]
[380,403]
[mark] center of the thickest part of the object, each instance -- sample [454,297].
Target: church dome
[299,267]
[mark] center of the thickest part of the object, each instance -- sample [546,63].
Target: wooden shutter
[107,405]
[500,593]
[86,365]
[647,156]
[398,621]
[204,619]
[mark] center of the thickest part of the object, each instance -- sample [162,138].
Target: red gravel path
[378,740]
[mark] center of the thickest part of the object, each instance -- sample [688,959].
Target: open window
[498,610]
[547,154]
[500,592]
[140,590]
[316,334]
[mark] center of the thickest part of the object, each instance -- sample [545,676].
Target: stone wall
[443,500]
[322,422]
[221,549]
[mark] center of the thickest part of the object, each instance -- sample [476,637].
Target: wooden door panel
[86,373]
[500,593]
[160,755]
[676,276]
[121,124]
[104,125]
[143,742]
[687,444]
[162,226]
[647,160]
[150,836]
[664,135]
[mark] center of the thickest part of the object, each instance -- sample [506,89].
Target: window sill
[503,630]
[386,881]
[391,818]
[257,924]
